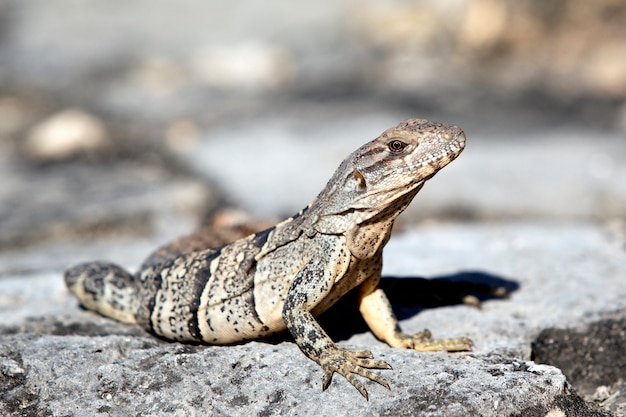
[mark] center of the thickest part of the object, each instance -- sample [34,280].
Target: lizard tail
[105,288]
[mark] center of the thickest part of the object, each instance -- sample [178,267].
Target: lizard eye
[396,146]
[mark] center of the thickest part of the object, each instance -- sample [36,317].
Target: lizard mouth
[442,157]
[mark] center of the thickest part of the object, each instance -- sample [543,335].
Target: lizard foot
[423,342]
[351,364]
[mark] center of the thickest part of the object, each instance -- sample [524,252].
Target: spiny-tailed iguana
[282,277]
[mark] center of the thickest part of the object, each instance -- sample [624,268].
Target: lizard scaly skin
[284,276]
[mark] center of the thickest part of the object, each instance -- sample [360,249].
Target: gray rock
[65,134]
[592,357]
[122,375]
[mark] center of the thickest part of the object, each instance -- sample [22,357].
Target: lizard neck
[366,239]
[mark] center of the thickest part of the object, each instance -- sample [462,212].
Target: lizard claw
[351,364]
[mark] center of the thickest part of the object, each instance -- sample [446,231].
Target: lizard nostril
[461,138]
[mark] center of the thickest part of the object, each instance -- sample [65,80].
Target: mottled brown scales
[282,277]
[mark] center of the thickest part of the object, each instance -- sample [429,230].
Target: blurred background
[140,119]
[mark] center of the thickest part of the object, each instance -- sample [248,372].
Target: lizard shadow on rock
[410,295]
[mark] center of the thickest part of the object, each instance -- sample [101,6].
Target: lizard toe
[459,344]
[350,365]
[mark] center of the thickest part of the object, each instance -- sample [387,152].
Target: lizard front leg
[376,310]
[310,286]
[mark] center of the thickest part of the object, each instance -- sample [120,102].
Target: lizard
[284,276]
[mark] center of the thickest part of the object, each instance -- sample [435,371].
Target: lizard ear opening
[360,181]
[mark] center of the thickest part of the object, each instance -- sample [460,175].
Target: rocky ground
[467,235]
[114,143]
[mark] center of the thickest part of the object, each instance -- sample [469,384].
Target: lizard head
[388,171]
[403,158]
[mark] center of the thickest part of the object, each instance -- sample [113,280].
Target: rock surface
[124,375]
[592,357]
